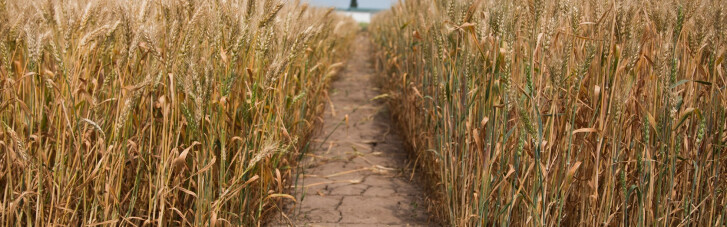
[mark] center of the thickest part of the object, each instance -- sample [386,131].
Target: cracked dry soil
[355,173]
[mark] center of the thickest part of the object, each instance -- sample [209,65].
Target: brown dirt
[356,176]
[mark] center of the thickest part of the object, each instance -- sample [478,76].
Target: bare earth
[355,172]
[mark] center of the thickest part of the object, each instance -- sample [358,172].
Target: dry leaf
[584,130]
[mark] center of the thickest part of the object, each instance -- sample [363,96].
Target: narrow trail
[354,174]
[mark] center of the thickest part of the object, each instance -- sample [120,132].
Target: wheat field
[516,113]
[563,113]
[164,113]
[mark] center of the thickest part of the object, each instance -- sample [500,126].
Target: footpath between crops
[355,173]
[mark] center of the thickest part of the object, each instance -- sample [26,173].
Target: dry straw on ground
[171,112]
[551,113]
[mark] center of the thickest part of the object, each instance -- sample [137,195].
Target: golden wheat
[172,112]
[592,113]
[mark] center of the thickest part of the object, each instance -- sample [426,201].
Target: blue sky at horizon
[369,4]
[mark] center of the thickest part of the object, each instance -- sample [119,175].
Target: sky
[369,4]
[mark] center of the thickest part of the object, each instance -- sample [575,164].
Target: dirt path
[354,174]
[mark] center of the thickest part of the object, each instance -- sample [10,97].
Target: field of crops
[563,113]
[167,113]
[522,113]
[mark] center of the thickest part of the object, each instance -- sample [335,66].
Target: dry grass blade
[180,162]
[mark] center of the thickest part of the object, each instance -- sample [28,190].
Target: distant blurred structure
[361,15]
[347,4]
